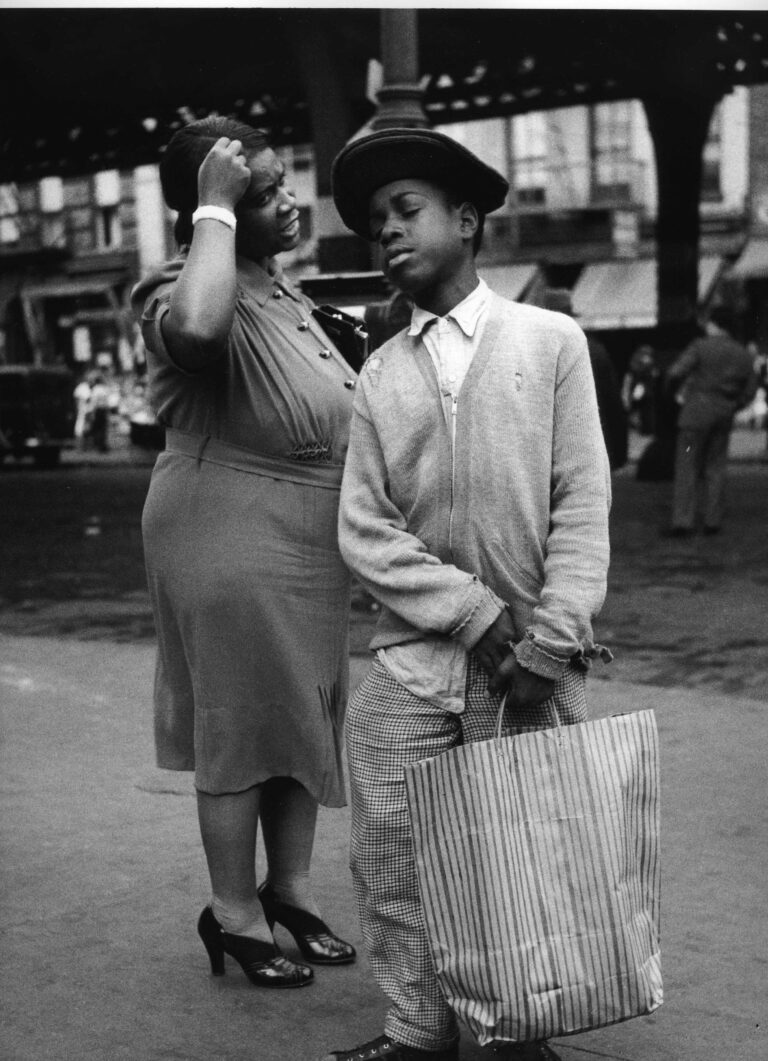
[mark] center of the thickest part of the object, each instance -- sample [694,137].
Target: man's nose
[391,228]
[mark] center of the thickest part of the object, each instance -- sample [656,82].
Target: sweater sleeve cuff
[534,659]
[484,614]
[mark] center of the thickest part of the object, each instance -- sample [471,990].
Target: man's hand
[493,647]
[524,689]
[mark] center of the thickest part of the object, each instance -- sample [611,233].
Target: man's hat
[387,155]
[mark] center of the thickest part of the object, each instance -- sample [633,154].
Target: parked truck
[37,412]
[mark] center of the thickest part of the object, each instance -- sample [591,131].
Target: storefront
[749,274]
[81,322]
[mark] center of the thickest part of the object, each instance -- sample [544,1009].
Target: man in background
[613,416]
[714,377]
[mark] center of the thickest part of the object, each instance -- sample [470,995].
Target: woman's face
[267,216]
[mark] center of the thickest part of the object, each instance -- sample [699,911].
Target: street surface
[103,876]
[685,613]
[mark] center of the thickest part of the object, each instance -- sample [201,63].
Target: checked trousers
[386,728]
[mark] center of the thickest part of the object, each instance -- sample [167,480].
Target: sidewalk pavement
[121,451]
[104,878]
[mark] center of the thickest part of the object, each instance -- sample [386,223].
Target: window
[611,150]
[303,158]
[711,190]
[106,192]
[305,223]
[108,228]
[106,186]
[10,230]
[51,197]
[53,232]
[529,146]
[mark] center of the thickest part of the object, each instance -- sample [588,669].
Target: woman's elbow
[192,344]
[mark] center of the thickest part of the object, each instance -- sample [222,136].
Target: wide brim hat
[387,155]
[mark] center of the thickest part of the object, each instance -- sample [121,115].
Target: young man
[719,379]
[474,508]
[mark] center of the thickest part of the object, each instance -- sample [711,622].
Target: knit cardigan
[515,515]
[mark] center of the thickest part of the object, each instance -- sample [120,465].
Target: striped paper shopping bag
[537,858]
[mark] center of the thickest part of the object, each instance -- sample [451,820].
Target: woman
[248,590]
[82,396]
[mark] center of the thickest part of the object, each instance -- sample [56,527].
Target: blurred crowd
[106,406]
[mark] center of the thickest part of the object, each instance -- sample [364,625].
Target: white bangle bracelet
[215,213]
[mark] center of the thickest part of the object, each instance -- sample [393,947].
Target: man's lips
[291,226]
[397,256]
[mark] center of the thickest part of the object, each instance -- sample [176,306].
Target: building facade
[582,206]
[71,249]
[580,214]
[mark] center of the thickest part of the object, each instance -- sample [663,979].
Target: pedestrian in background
[756,412]
[475,510]
[613,416]
[714,377]
[641,389]
[82,396]
[249,592]
[99,412]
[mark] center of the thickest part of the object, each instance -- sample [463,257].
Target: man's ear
[468,220]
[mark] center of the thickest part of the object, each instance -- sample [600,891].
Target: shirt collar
[466,313]
[262,283]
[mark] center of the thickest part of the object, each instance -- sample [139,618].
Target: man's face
[422,235]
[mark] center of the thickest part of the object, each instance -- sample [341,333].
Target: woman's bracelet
[215,213]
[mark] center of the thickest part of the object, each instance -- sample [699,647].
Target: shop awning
[623,294]
[69,288]
[34,294]
[510,281]
[753,261]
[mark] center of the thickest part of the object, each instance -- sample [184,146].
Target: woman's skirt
[251,605]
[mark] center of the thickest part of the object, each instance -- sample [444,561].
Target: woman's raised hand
[224,175]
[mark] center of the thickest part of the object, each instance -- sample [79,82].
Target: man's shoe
[386,1049]
[539,1051]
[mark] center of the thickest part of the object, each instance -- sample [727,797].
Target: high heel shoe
[313,937]
[261,962]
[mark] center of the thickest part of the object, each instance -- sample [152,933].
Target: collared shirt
[452,341]
[435,668]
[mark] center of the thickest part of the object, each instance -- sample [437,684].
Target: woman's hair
[184,155]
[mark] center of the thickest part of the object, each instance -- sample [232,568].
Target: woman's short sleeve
[155,308]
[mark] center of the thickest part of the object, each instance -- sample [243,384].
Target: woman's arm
[202,308]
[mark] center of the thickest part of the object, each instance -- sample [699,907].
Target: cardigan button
[349,384]
[277,293]
[302,326]
[325,353]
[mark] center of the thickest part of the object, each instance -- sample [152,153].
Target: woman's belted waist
[214,451]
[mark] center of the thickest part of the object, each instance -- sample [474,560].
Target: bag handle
[553,715]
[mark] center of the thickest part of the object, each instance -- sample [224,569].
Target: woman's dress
[249,592]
